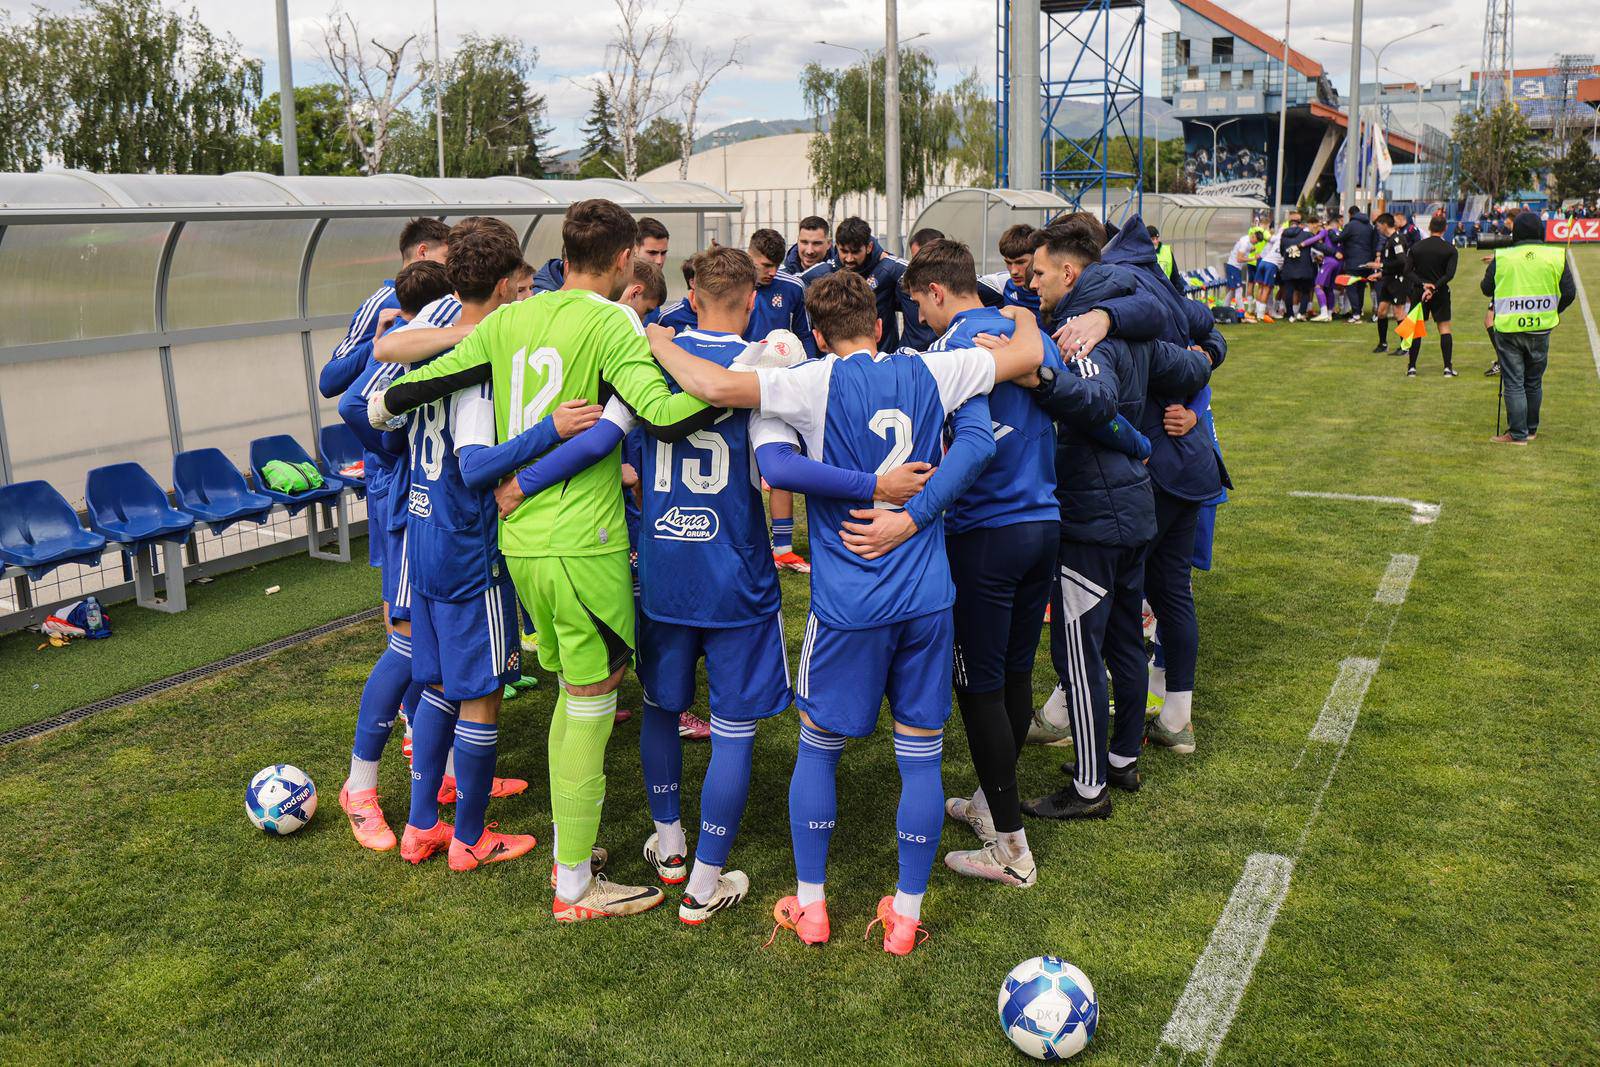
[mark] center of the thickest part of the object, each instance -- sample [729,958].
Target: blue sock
[475,753]
[920,818]
[813,801]
[661,756]
[433,729]
[783,535]
[380,698]
[725,790]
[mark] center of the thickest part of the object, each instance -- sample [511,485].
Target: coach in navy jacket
[881,270]
[1358,246]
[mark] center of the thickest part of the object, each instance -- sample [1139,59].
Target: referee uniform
[1432,261]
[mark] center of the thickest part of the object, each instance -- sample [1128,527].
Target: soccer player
[679,315]
[1016,249]
[567,547]
[1392,289]
[1238,260]
[463,605]
[857,251]
[1431,264]
[878,625]
[524,280]
[647,290]
[417,288]
[1107,520]
[421,239]
[810,247]
[651,247]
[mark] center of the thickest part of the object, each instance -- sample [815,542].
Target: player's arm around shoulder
[702,378]
[465,365]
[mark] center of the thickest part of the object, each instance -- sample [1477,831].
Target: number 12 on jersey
[544,361]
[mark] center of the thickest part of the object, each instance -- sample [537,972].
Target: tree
[373,87]
[1576,173]
[599,137]
[703,69]
[493,122]
[659,143]
[320,134]
[639,61]
[844,159]
[1498,154]
[125,86]
[973,151]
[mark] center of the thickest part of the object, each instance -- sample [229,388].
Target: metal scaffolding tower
[1060,55]
[1498,60]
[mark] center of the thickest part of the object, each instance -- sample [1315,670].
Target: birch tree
[640,61]
[375,80]
[702,70]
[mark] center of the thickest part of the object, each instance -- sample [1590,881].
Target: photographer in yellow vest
[1531,285]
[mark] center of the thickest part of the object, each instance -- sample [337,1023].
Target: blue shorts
[747,667]
[1266,273]
[396,573]
[1235,276]
[845,674]
[469,647]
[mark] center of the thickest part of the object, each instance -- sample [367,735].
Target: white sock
[670,840]
[407,720]
[572,882]
[1158,681]
[908,904]
[1087,792]
[1120,762]
[1012,845]
[450,763]
[703,881]
[980,803]
[1175,712]
[809,893]
[363,774]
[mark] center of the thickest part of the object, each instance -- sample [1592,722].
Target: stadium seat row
[39,530]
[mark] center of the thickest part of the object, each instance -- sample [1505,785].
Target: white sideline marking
[1216,987]
[1343,706]
[1422,513]
[1588,316]
[1397,579]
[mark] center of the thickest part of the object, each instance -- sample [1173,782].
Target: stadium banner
[1564,230]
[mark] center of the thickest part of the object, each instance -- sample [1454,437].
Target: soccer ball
[280,799]
[1048,1008]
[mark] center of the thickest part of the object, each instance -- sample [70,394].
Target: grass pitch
[1442,910]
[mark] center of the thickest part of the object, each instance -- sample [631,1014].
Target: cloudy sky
[571,38]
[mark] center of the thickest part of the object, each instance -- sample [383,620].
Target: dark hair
[649,275]
[1436,224]
[480,258]
[420,284]
[1154,233]
[724,275]
[925,235]
[1017,241]
[480,224]
[651,227]
[688,272]
[1385,219]
[814,222]
[770,244]
[1068,242]
[419,232]
[1080,222]
[842,306]
[594,232]
[524,270]
[949,263]
[853,233]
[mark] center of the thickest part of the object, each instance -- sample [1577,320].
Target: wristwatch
[1047,381]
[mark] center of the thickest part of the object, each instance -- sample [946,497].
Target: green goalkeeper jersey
[541,352]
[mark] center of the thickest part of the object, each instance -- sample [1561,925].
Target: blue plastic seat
[39,531]
[128,507]
[264,450]
[340,448]
[210,488]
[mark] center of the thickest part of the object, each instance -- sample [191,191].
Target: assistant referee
[1430,265]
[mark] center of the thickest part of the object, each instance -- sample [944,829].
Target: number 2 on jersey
[546,361]
[882,423]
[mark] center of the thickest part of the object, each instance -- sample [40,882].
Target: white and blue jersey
[347,362]
[1019,484]
[872,412]
[1015,295]
[781,305]
[678,315]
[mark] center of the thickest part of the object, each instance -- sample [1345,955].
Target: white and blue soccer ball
[280,799]
[1048,1008]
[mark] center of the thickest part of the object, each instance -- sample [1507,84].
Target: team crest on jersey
[872,282]
[420,504]
[687,524]
[777,300]
[514,661]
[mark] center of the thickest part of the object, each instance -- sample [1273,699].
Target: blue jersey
[677,315]
[1019,484]
[347,363]
[1013,294]
[378,468]
[872,413]
[781,305]
[452,531]
[704,555]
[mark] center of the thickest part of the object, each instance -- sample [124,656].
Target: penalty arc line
[1215,991]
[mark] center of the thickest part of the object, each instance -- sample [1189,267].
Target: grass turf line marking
[1588,316]
[1396,580]
[1343,705]
[1216,988]
[1422,513]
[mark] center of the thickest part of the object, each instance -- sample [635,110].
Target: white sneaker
[963,810]
[672,870]
[1324,316]
[605,899]
[732,887]
[1050,724]
[985,862]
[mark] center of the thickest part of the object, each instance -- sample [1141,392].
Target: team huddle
[557,446]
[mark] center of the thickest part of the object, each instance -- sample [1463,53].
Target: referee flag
[1412,327]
